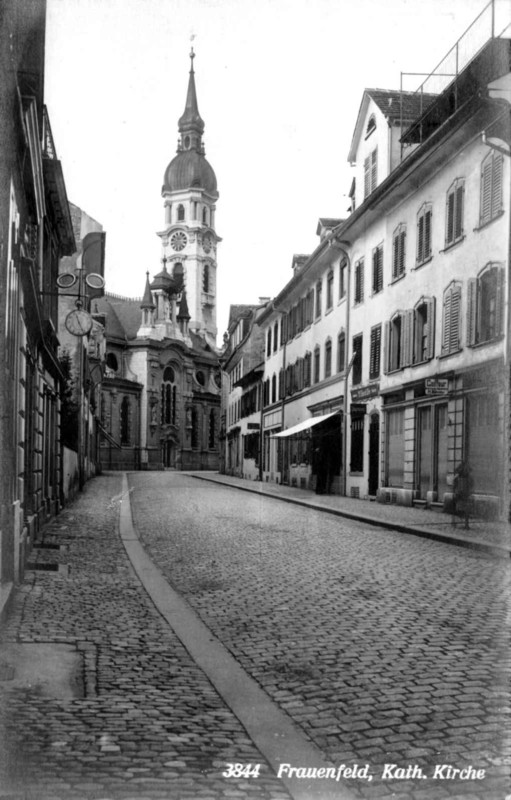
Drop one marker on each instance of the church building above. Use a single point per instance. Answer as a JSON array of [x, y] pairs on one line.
[[161, 392]]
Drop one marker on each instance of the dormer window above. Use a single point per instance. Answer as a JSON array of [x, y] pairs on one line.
[[371, 126]]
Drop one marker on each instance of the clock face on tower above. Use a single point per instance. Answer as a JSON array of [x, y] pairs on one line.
[[178, 240], [207, 242]]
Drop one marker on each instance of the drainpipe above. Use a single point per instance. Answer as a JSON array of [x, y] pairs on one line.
[[341, 244]]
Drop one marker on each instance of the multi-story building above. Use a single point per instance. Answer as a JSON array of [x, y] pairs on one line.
[[397, 325], [243, 367], [161, 392], [35, 231]]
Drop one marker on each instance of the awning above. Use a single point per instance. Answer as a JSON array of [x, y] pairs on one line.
[[304, 426]]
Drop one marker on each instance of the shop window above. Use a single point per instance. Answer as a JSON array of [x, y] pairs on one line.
[[370, 172], [395, 447], [359, 281], [357, 359], [398, 251], [378, 269], [328, 358], [491, 187], [451, 323], [341, 352], [330, 289], [424, 218], [454, 212], [375, 352], [424, 330], [485, 303]]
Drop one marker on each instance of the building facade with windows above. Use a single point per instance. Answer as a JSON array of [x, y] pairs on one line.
[[243, 367], [160, 404]]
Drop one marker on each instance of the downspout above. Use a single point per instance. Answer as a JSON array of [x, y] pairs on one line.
[[341, 244]]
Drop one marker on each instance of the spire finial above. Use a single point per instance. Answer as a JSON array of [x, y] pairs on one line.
[[192, 54]]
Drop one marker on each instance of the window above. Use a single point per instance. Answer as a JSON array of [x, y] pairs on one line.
[[180, 212], [205, 278], [424, 233], [317, 364], [275, 336], [195, 428], [424, 330], [485, 307], [319, 288], [343, 266], [378, 269], [398, 340], [328, 358], [370, 172], [330, 289], [205, 216], [371, 126], [395, 448], [274, 389], [268, 343], [309, 307], [491, 187], [359, 281], [398, 251], [212, 430], [357, 359], [307, 367], [168, 397], [454, 212], [451, 331], [375, 352], [125, 421], [111, 362], [341, 352]]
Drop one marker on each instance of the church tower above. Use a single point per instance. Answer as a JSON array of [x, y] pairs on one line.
[[189, 240]]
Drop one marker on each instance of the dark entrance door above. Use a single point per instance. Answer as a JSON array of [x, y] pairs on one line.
[[374, 454], [168, 454]]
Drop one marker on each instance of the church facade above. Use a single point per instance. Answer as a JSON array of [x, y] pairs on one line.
[[161, 391]]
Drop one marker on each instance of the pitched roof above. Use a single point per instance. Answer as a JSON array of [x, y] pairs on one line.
[[392, 103], [123, 315], [236, 312]]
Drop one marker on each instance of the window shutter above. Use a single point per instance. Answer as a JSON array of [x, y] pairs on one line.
[[395, 256], [454, 324], [499, 302], [458, 228], [450, 217], [386, 333], [420, 239], [367, 176], [486, 190], [430, 304], [496, 189], [471, 310], [374, 169], [402, 251], [406, 339], [446, 330], [427, 234]]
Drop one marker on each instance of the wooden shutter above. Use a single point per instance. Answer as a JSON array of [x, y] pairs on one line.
[[420, 239], [427, 234], [374, 359], [430, 305], [471, 311], [395, 255], [499, 301], [406, 338], [458, 224], [374, 169], [367, 176], [486, 190], [386, 336], [402, 251], [450, 218], [446, 330], [496, 188], [454, 325]]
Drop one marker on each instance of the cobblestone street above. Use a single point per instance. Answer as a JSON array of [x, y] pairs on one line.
[[383, 648]]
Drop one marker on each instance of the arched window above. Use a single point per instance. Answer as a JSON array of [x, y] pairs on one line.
[[180, 212], [195, 428], [341, 352], [205, 278], [125, 420], [317, 364], [111, 362], [205, 215], [168, 397], [485, 305], [275, 336], [268, 343], [330, 289], [371, 125], [328, 358]]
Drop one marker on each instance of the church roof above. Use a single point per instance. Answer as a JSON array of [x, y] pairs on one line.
[[123, 316], [189, 169], [147, 300], [191, 119]]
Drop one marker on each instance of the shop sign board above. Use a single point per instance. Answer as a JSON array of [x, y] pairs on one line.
[[436, 385]]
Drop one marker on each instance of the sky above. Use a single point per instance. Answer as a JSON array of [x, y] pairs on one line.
[[279, 85]]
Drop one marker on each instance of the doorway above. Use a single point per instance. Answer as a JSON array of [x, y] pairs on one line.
[[441, 451], [374, 454], [169, 455], [425, 452]]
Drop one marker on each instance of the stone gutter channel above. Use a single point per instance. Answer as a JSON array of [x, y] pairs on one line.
[[272, 731]]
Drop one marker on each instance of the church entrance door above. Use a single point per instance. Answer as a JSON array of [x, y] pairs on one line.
[[169, 455]]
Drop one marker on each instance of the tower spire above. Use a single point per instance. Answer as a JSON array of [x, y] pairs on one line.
[[191, 123]]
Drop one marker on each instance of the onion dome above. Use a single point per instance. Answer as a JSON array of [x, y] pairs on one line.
[[147, 300]]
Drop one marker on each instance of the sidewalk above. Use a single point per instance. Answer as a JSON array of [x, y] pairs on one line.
[[492, 538]]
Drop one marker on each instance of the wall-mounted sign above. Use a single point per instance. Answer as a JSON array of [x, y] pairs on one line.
[[436, 385], [365, 392]]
